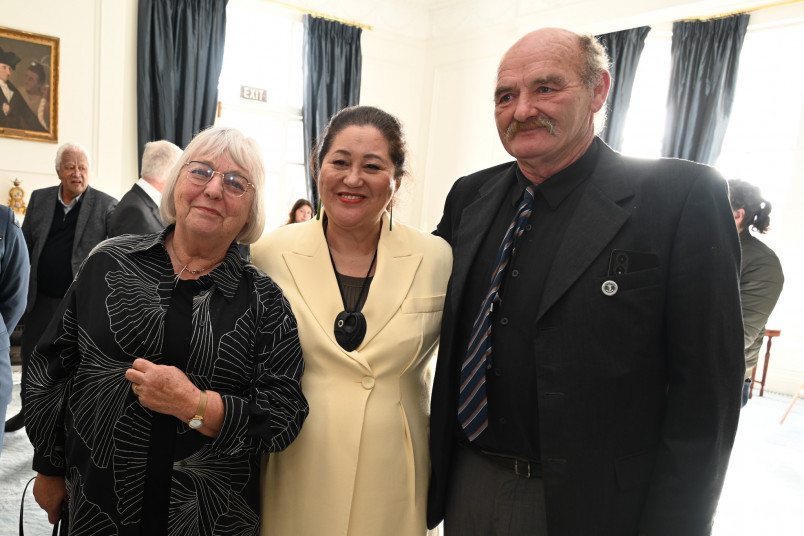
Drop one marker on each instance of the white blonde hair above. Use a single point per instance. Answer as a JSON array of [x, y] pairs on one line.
[[245, 152]]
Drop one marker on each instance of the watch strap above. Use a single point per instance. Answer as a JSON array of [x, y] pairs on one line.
[[202, 406]]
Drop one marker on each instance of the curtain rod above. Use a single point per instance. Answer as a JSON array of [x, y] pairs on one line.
[[319, 15], [748, 10]]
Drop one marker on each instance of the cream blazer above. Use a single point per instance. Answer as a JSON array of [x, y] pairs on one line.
[[360, 465]]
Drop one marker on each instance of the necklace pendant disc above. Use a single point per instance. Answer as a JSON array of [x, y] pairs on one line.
[[350, 329]]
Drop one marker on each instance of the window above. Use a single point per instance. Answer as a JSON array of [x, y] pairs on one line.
[[761, 141], [260, 93], [644, 125]]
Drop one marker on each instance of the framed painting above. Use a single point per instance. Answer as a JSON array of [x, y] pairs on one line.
[[29, 86]]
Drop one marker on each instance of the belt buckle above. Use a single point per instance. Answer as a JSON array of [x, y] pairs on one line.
[[523, 474]]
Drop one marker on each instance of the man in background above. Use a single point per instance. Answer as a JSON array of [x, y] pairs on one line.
[[62, 225], [13, 287], [591, 357], [14, 111], [138, 210]]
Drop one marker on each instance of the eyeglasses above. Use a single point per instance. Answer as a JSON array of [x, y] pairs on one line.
[[234, 185]]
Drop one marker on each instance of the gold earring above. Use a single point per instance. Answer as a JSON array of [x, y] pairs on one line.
[[318, 214], [391, 220]]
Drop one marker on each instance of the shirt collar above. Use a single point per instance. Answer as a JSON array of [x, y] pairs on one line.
[[152, 192], [558, 187], [7, 91], [71, 204]]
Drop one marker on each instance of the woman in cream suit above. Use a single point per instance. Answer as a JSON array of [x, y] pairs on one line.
[[368, 294]]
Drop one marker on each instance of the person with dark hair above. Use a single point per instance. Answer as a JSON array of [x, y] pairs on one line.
[[14, 111], [301, 211], [14, 271], [37, 92], [589, 369], [170, 366], [138, 210], [761, 276], [368, 293]]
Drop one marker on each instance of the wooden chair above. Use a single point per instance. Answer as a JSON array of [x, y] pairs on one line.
[[798, 395], [770, 334]]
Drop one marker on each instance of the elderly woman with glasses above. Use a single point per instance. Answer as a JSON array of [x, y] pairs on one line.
[[171, 365]]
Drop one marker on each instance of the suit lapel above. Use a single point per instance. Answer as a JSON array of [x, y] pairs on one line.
[[310, 266], [596, 221], [87, 210], [43, 219], [475, 222], [396, 268]]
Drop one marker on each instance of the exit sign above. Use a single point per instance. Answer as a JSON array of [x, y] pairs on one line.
[[253, 93]]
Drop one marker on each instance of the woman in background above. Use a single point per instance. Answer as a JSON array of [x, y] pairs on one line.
[[761, 277], [368, 293], [37, 93], [302, 211], [171, 365]]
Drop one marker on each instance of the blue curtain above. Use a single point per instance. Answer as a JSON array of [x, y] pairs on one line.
[[332, 65], [624, 48], [706, 55], [179, 60]]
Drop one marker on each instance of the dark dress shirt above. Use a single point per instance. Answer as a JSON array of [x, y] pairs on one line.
[[511, 383]]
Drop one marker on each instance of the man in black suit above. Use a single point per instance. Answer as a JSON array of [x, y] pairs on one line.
[[62, 225], [613, 389], [138, 210], [14, 111]]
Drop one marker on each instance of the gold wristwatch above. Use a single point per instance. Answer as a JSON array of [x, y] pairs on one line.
[[198, 419]]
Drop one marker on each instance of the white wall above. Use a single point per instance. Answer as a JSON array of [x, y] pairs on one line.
[[430, 62]]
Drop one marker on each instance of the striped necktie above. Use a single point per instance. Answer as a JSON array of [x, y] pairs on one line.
[[472, 402]]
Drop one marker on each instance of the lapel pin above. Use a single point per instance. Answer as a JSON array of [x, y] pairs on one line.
[[609, 288]]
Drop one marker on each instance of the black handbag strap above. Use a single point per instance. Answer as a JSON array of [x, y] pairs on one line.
[[58, 524], [22, 503]]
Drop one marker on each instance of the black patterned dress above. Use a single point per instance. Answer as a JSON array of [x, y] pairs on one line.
[[85, 423]]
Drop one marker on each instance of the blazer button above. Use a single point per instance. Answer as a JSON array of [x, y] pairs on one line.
[[504, 321], [368, 382]]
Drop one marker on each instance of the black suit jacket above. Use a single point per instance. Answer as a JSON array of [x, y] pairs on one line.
[[19, 114], [639, 392], [90, 229], [135, 214]]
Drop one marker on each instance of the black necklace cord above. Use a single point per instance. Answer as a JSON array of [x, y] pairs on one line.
[[350, 325], [340, 285]]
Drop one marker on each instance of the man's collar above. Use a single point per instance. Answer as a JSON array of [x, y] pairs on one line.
[[6, 89], [149, 189], [557, 187], [71, 203]]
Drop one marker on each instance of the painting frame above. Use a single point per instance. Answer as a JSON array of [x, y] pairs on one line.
[[33, 111]]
